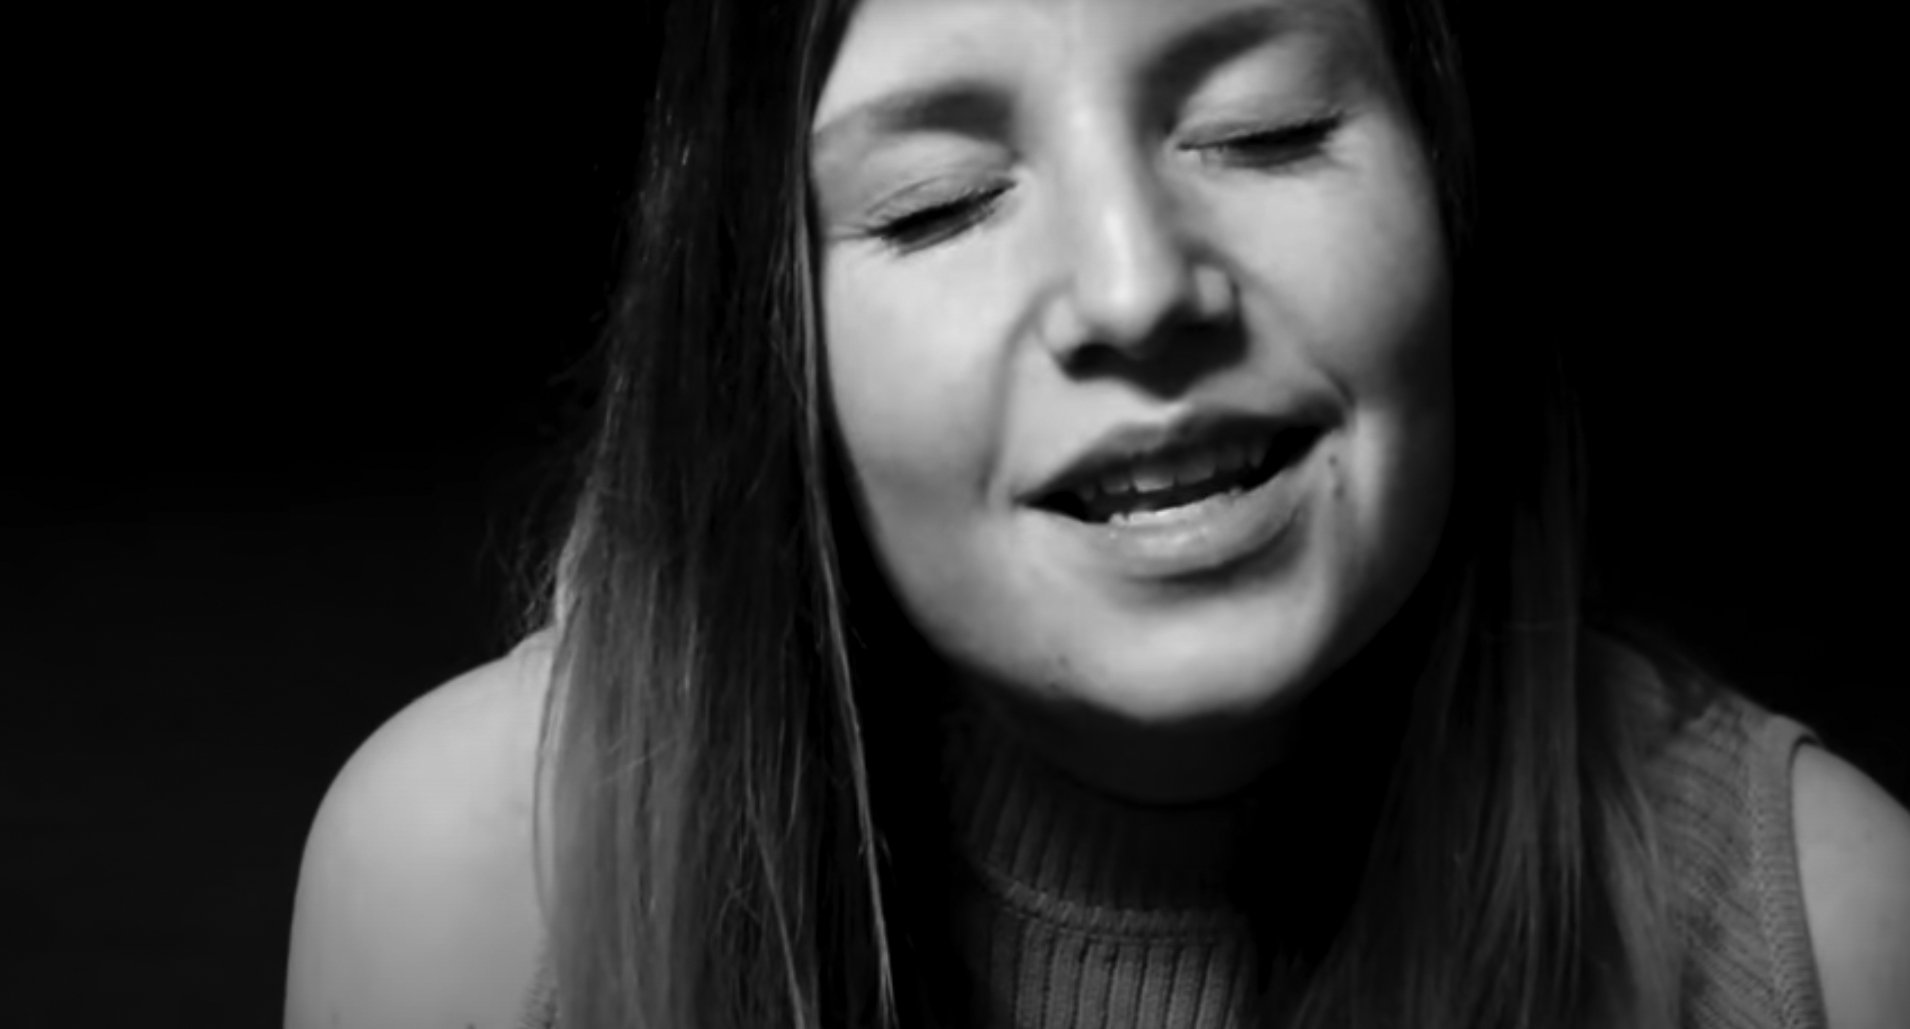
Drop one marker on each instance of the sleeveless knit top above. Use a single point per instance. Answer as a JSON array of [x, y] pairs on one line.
[[1061, 937]]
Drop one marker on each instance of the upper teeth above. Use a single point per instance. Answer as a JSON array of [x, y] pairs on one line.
[[1159, 474]]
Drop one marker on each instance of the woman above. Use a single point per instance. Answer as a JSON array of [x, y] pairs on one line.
[[1056, 551]]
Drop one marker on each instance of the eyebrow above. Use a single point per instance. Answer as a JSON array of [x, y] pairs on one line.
[[976, 106], [963, 104]]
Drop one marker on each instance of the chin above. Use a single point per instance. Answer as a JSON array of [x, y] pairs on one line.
[[1203, 667]]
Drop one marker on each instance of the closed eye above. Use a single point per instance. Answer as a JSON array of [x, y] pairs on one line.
[[1269, 149], [935, 222]]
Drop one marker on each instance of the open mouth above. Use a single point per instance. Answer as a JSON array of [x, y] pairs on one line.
[[1182, 477]]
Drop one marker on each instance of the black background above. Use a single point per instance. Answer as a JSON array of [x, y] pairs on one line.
[[283, 410]]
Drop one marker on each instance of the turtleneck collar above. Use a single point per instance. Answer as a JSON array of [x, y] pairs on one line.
[[1288, 851], [1042, 840], [1033, 831]]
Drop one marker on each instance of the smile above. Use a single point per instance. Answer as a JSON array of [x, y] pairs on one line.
[[1189, 511], [1182, 477]]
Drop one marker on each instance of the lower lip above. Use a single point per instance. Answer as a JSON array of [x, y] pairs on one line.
[[1200, 538]]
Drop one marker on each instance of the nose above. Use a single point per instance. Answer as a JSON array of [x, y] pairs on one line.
[[1137, 270]]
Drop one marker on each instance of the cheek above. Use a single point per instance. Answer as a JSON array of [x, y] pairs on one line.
[[919, 362], [1349, 286], [894, 391], [1397, 364], [1350, 279], [914, 399], [1387, 347]]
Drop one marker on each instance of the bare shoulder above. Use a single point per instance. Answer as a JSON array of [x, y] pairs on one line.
[[1853, 849], [417, 898]]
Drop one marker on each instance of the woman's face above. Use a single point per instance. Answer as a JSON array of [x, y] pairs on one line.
[[1136, 327]]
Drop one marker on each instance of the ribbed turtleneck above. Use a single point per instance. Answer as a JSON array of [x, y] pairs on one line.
[[1090, 912], [1094, 914]]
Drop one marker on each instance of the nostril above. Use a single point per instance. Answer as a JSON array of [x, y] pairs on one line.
[[1134, 274], [1135, 310], [1138, 309]]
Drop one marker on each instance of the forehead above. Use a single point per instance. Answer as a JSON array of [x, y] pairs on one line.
[[895, 46]]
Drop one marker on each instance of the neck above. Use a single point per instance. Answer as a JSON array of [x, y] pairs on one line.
[[1353, 717], [1271, 869], [1288, 840], [1156, 765], [1026, 822]]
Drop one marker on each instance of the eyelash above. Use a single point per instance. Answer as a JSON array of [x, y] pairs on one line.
[[1290, 144], [935, 222]]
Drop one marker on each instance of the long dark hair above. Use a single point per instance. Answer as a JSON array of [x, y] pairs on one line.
[[728, 811]]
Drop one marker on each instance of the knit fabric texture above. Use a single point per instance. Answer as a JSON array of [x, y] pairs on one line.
[[1730, 836], [1098, 915]]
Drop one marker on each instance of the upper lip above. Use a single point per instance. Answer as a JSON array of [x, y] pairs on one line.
[[1130, 443]]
